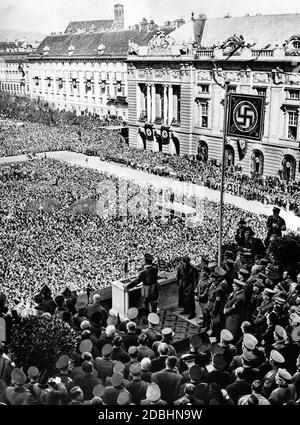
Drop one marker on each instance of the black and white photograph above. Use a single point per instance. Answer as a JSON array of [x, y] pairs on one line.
[[150, 208]]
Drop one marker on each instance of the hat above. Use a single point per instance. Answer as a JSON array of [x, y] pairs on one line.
[[167, 332], [18, 377], [280, 332], [117, 379], [33, 372], [276, 209], [135, 369], [219, 271], [248, 356], [269, 292], [65, 290], [149, 257], [86, 346], [259, 283], [228, 253], [132, 313], [218, 361], [153, 392], [146, 363], [249, 341], [188, 357], [195, 373], [118, 367], [238, 282], [295, 317], [62, 361], [98, 390], [284, 374], [112, 320], [107, 350], [153, 319], [229, 261], [242, 221], [123, 398], [80, 305], [226, 335], [244, 272], [276, 357], [132, 350], [186, 259]]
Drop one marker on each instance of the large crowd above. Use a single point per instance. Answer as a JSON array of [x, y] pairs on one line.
[[56, 246], [20, 137]]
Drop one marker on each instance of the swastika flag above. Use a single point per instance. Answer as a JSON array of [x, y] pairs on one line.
[[245, 116]]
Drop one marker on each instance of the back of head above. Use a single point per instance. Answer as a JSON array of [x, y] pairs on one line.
[[87, 367], [143, 339], [131, 327], [171, 362], [117, 341], [145, 364], [189, 389], [257, 386], [96, 299], [248, 400], [75, 392], [163, 349], [110, 331]]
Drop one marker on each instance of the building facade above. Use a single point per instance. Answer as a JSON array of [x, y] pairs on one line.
[[176, 91], [84, 70], [14, 68]]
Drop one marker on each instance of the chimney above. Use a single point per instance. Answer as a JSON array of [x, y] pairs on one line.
[[118, 17]]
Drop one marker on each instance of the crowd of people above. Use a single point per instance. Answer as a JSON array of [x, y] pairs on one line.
[[94, 139], [56, 245], [250, 306], [46, 239]]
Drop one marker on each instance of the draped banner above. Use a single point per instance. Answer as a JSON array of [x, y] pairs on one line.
[[242, 148], [149, 131], [165, 135], [245, 116]]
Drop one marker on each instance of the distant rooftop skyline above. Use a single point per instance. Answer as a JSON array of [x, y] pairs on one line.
[[48, 16]]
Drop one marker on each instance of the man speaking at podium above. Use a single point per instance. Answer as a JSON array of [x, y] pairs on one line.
[[150, 288]]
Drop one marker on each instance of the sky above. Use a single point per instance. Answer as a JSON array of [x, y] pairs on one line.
[[54, 15]]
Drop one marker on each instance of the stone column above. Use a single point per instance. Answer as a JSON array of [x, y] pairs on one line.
[[165, 105], [138, 101], [170, 115], [148, 103], [153, 112]]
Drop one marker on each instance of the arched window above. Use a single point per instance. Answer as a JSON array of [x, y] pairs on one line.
[[257, 162], [202, 151], [288, 167], [229, 156]]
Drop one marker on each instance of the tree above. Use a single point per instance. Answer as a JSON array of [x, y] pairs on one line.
[[286, 251], [39, 341]]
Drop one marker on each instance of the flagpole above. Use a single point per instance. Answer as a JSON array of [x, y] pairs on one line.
[[223, 173]]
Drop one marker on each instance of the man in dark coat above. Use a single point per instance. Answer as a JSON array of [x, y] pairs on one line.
[[187, 278], [169, 380], [234, 309], [275, 225], [150, 288], [217, 296]]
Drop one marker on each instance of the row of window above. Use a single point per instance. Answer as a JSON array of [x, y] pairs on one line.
[[14, 87], [293, 94], [74, 87]]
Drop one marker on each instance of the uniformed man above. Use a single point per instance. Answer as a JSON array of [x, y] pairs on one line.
[[150, 287], [216, 300], [152, 334], [187, 278], [275, 225], [285, 391], [201, 292], [234, 310]]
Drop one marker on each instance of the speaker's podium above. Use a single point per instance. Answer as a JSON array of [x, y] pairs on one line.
[[123, 299]]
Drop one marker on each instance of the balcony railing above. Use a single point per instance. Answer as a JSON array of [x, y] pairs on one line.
[[263, 53]]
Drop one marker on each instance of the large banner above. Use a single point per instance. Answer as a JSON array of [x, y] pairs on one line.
[[165, 135], [245, 116], [149, 131]]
